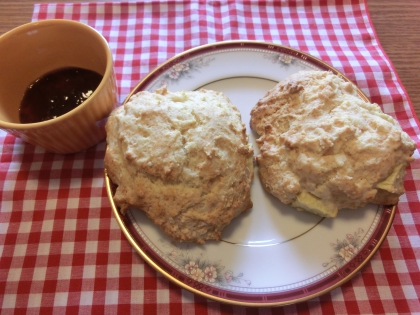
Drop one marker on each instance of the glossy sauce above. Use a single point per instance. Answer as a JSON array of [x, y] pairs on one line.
[[57, 93]]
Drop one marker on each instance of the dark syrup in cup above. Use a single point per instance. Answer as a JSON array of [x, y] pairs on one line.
[[57, 93]]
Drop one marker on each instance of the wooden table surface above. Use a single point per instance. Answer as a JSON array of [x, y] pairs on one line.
[[397, 24]]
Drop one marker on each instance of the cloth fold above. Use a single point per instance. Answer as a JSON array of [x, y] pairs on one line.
[[62, 250]]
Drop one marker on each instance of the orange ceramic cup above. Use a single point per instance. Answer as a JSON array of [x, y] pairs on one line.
[[34, 49]]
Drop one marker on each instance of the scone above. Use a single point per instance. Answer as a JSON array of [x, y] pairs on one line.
[[183, 158], [322, 148]]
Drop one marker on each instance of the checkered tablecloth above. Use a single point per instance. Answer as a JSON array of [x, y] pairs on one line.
[[62, 251]]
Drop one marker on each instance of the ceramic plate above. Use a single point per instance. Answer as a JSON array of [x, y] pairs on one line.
[[273, 254]]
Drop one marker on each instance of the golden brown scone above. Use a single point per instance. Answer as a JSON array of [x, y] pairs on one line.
[[324, 149], [183, 158]]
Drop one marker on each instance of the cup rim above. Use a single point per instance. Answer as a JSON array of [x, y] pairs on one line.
[[106, 75]]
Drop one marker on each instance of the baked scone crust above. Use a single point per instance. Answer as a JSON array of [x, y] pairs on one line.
[[183, 158], [319, 137]]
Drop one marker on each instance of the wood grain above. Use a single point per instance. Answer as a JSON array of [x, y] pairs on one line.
[[397, 24]]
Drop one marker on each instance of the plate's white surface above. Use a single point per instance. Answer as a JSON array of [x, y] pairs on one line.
[[272, 254]]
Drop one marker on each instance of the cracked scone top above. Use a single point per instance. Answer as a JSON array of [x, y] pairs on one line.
[[183, 158], [324, 149]]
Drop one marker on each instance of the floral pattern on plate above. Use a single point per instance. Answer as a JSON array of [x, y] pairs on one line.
[[345, 249], [199, 268], [184, 70], [283, 60]]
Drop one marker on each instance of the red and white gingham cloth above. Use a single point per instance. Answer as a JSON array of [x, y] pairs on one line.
[[61, 250]]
